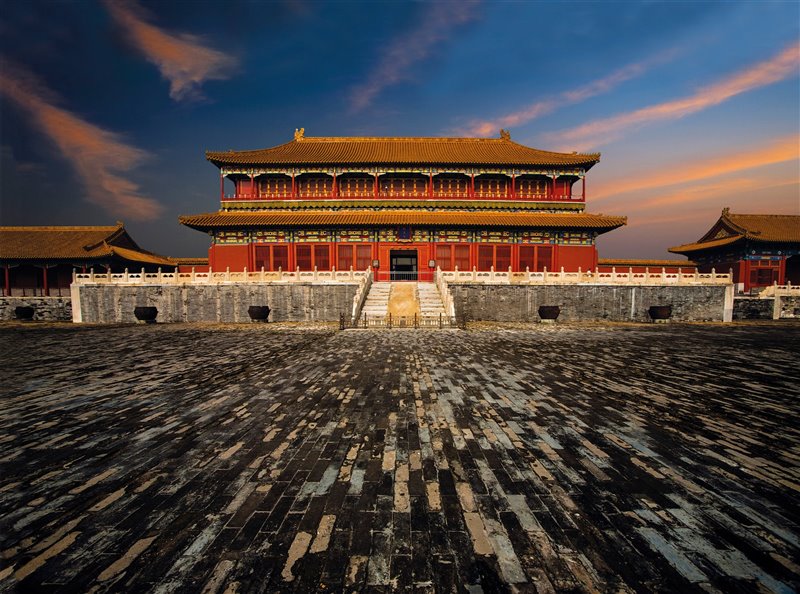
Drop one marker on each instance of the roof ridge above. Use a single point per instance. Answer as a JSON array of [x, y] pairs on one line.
[[745, 214], [58, 228]]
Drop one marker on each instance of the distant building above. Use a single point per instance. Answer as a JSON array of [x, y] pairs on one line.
[[40, 260], [761, 249], [654, 266], [403, 206]]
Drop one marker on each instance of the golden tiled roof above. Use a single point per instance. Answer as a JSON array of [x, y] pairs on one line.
[[766, 227], [732, 228], [408, 217], [394, 151], [627, 262], [72, 243]]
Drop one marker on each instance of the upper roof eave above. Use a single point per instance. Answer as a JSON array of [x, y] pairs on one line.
[[372, 151]]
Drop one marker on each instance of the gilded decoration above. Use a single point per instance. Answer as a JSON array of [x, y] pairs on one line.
[[275, 235], [535, 237], [452, 235], [495, 237], [232, 237], [313, 235], [421, 235], [355, 235], [387, 235]]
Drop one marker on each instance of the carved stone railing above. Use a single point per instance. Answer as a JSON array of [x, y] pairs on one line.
[[360, 297], [616, 277], [776, 290], [211, 277], [444, 293]]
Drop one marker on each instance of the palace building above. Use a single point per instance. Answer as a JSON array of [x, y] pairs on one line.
[[403, 206], [760, 249], [41, 260]]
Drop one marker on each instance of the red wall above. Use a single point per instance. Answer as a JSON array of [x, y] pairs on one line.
[[235, 257], [572, 257]]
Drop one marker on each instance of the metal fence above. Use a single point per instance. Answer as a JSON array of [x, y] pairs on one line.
[[393, 322]]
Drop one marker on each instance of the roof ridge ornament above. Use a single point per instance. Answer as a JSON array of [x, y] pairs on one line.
[[505, 134], [299, 133]]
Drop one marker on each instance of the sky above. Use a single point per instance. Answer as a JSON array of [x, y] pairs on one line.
[[107, 107]]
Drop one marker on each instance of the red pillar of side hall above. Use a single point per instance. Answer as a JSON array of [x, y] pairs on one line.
[[403, 206]]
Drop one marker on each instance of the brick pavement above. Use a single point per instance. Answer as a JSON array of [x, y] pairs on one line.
[[249, 459]]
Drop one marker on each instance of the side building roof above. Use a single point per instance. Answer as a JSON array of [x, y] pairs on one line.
[[205, 222], [373, 151], [33, 243], [733, 228]]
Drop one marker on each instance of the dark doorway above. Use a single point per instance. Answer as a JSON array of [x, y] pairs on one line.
[[793, 270], [403, 265]]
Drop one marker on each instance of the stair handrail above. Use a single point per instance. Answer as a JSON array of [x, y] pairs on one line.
[[364, 285], [444, 293]]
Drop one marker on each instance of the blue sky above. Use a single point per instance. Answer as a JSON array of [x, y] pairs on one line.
[[106, 108]]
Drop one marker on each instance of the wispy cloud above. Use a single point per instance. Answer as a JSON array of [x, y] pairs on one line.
[[546, 106], [432, 28], [183, 59], [590, 135], [98, 156], [779, 150]]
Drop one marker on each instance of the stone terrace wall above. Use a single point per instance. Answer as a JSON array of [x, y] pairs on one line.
[[790, 307], [516, 303], [295, 302], [753, 308], [51, 309]]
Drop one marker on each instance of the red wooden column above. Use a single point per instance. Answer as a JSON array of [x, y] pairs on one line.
[[513, 186], [334, 189], [472, 186], [375, 187], [430, 184], [8, 280], [252, 185], [46, 288], [294, 187], [583, 188]]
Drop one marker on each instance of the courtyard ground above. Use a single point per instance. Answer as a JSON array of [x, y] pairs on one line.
[[610, 458]]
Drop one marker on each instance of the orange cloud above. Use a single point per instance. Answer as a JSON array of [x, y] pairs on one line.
[[97, 155], [778, 151], [411, 47], [589, 135], [182, 59], [546, 106]]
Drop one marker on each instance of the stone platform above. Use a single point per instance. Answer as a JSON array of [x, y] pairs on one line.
[[186, 458]]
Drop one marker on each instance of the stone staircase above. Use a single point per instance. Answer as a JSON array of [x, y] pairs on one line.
[[377, 303], [426, 296], [430, 302]]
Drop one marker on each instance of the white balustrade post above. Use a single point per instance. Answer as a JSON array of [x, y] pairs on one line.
[[630, 273], [663, 274], [280, 272], [474, 273], [315, 273], [528, 273], [544, 275], [713, 274], [646, 274], [227, 273], [491, 273], [352, 273], [158, 273]]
